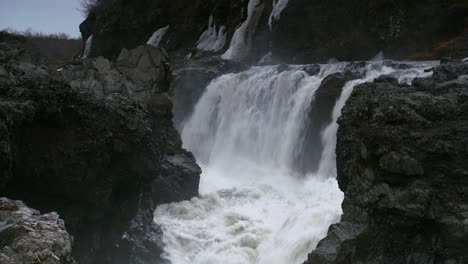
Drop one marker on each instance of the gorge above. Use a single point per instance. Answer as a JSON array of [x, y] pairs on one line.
[[241, 131]]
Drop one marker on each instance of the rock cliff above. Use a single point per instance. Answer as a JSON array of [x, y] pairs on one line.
[[402, 155], [360, 29], [101, 158], [112, 31], [303, 32]]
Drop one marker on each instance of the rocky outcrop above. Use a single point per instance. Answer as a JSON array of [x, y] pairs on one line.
[[102, 160], [305, 31], [137, 74], [112, 31], [402, 154], [28, 237], [359, 29]]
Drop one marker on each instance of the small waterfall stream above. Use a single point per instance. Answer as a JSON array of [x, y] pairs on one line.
[[254, 205]]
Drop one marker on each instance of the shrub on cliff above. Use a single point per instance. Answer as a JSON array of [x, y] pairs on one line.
[[55, 49]]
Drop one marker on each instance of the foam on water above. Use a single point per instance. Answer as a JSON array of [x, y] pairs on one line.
[[254, 207]]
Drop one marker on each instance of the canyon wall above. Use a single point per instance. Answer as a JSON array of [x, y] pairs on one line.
[[401, 162], [73, 143], [295, 31]]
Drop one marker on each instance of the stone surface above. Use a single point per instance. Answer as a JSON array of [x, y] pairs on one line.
[[402, 162], [136, 74], [311, 31], [112, 31], [306, 32], [27, 237], [100, 160]]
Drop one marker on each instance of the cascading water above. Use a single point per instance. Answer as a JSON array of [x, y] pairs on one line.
[[157, 36], [241, 41], [278, 7], [254, 206], [212, 40], [87, 49]]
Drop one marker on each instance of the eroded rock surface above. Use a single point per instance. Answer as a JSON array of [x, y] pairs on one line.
[[103, 161], [305, 31], [402, 155], [137, 74], [27, 237], [360, 29]]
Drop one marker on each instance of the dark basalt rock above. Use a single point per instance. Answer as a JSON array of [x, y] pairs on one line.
[[112, 31], [102, 161], [323, 103], [402, 154], [306, 32], [314, 31]]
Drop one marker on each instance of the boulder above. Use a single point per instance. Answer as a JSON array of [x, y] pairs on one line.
[[27, 237], [98, 157], [402, 164]]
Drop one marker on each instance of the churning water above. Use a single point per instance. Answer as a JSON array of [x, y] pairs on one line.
[[254, 205]]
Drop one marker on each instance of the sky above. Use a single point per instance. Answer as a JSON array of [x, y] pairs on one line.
[[46, 16]]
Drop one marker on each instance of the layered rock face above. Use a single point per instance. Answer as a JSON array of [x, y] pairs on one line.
[[112, 31], [358, 30], [303, 32], [402, 155], [28, 237], [138, 74], [101, 158]]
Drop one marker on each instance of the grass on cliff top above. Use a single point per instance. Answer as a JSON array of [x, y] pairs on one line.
[[53, 49]]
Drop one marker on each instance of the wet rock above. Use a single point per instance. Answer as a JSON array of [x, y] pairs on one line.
[[401, 162], [330, 89], [361, 29], [27, 237], [92, 153], [313, 69]]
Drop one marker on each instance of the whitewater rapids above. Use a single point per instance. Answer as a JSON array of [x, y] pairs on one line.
[[254, 207]]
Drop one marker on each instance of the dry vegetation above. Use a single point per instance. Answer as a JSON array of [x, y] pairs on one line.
[[87, 6], [53, 49]]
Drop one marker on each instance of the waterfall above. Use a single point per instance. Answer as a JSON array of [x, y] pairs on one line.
[[254, 206], [88, 45], [157, 36], [211, 39], [242, 39], [278, 7]]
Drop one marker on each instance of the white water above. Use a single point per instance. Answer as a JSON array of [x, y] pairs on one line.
[[88, 45], [254, 207], [278, 7], [157, 36], [211, 39], [241, 41]]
